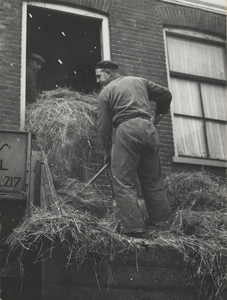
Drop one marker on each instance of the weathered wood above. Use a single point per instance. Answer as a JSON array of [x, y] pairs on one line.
[[28, 170], [49, 197], [35, 178]]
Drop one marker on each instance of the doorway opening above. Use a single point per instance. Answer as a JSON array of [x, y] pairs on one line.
[[70, 45]]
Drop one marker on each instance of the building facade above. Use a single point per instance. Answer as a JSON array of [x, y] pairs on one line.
[[180, 44], [176, 43]]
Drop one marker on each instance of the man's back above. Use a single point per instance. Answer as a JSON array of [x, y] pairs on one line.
[[128, 96]]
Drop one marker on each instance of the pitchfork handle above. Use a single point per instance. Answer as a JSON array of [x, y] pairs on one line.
[[97, 175]]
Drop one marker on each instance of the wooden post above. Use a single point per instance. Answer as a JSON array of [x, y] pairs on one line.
[[35, 178], [49, 197]]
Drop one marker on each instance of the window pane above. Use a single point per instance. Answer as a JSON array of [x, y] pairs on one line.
[[186, 97], [216, 135], [196, 58], [189, 137], [214, 101]]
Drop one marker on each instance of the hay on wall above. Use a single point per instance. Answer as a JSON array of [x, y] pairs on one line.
[[64, 123], [199, 237], [197, 191]]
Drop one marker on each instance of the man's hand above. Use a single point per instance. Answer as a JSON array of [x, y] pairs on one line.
[[107, 159], [156, 119], [107, 154]]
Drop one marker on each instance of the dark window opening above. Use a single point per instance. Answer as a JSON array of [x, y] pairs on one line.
[[70, 45]]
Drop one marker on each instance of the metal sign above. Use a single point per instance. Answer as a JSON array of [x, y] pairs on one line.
[[13, 160]]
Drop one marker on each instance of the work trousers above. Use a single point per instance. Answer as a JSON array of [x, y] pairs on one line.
[[135, 151]]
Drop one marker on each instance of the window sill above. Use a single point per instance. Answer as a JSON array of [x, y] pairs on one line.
[[198, 161]]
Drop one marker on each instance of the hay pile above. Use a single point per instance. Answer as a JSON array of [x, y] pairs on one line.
[[199, 225], [64, 123], [73, 194], [197, 231], [197, 191], [78, 232]]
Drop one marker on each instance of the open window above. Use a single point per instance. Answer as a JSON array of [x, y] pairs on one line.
[[197, 70], [70, 40]]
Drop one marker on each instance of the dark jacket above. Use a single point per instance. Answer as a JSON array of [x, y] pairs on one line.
[[126, 97], [31, 86]]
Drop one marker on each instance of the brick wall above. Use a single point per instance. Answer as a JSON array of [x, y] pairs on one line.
[[137, 44], [184, 17], [10, 64], [93, 5]]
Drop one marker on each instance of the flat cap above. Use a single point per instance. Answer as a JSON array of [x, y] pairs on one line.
[[37, 57], [107, 64]]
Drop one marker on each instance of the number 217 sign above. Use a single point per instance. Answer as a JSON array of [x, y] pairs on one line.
[[13, 160]]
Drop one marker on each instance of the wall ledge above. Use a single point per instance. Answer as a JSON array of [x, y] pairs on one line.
[[198, 161]]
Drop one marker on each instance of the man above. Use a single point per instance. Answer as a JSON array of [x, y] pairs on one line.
[[133, 146], [34, 65]]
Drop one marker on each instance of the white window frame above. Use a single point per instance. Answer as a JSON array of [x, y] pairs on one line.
[[201, 5], [105, 42], [176, 158]]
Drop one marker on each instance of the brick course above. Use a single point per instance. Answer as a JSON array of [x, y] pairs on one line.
[[192, 18]]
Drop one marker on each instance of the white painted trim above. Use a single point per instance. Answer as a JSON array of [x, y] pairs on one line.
[[105, 41], [67, 9], [207, 7], [195, 34], [168, 79], [206, 37], [197, 161]]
